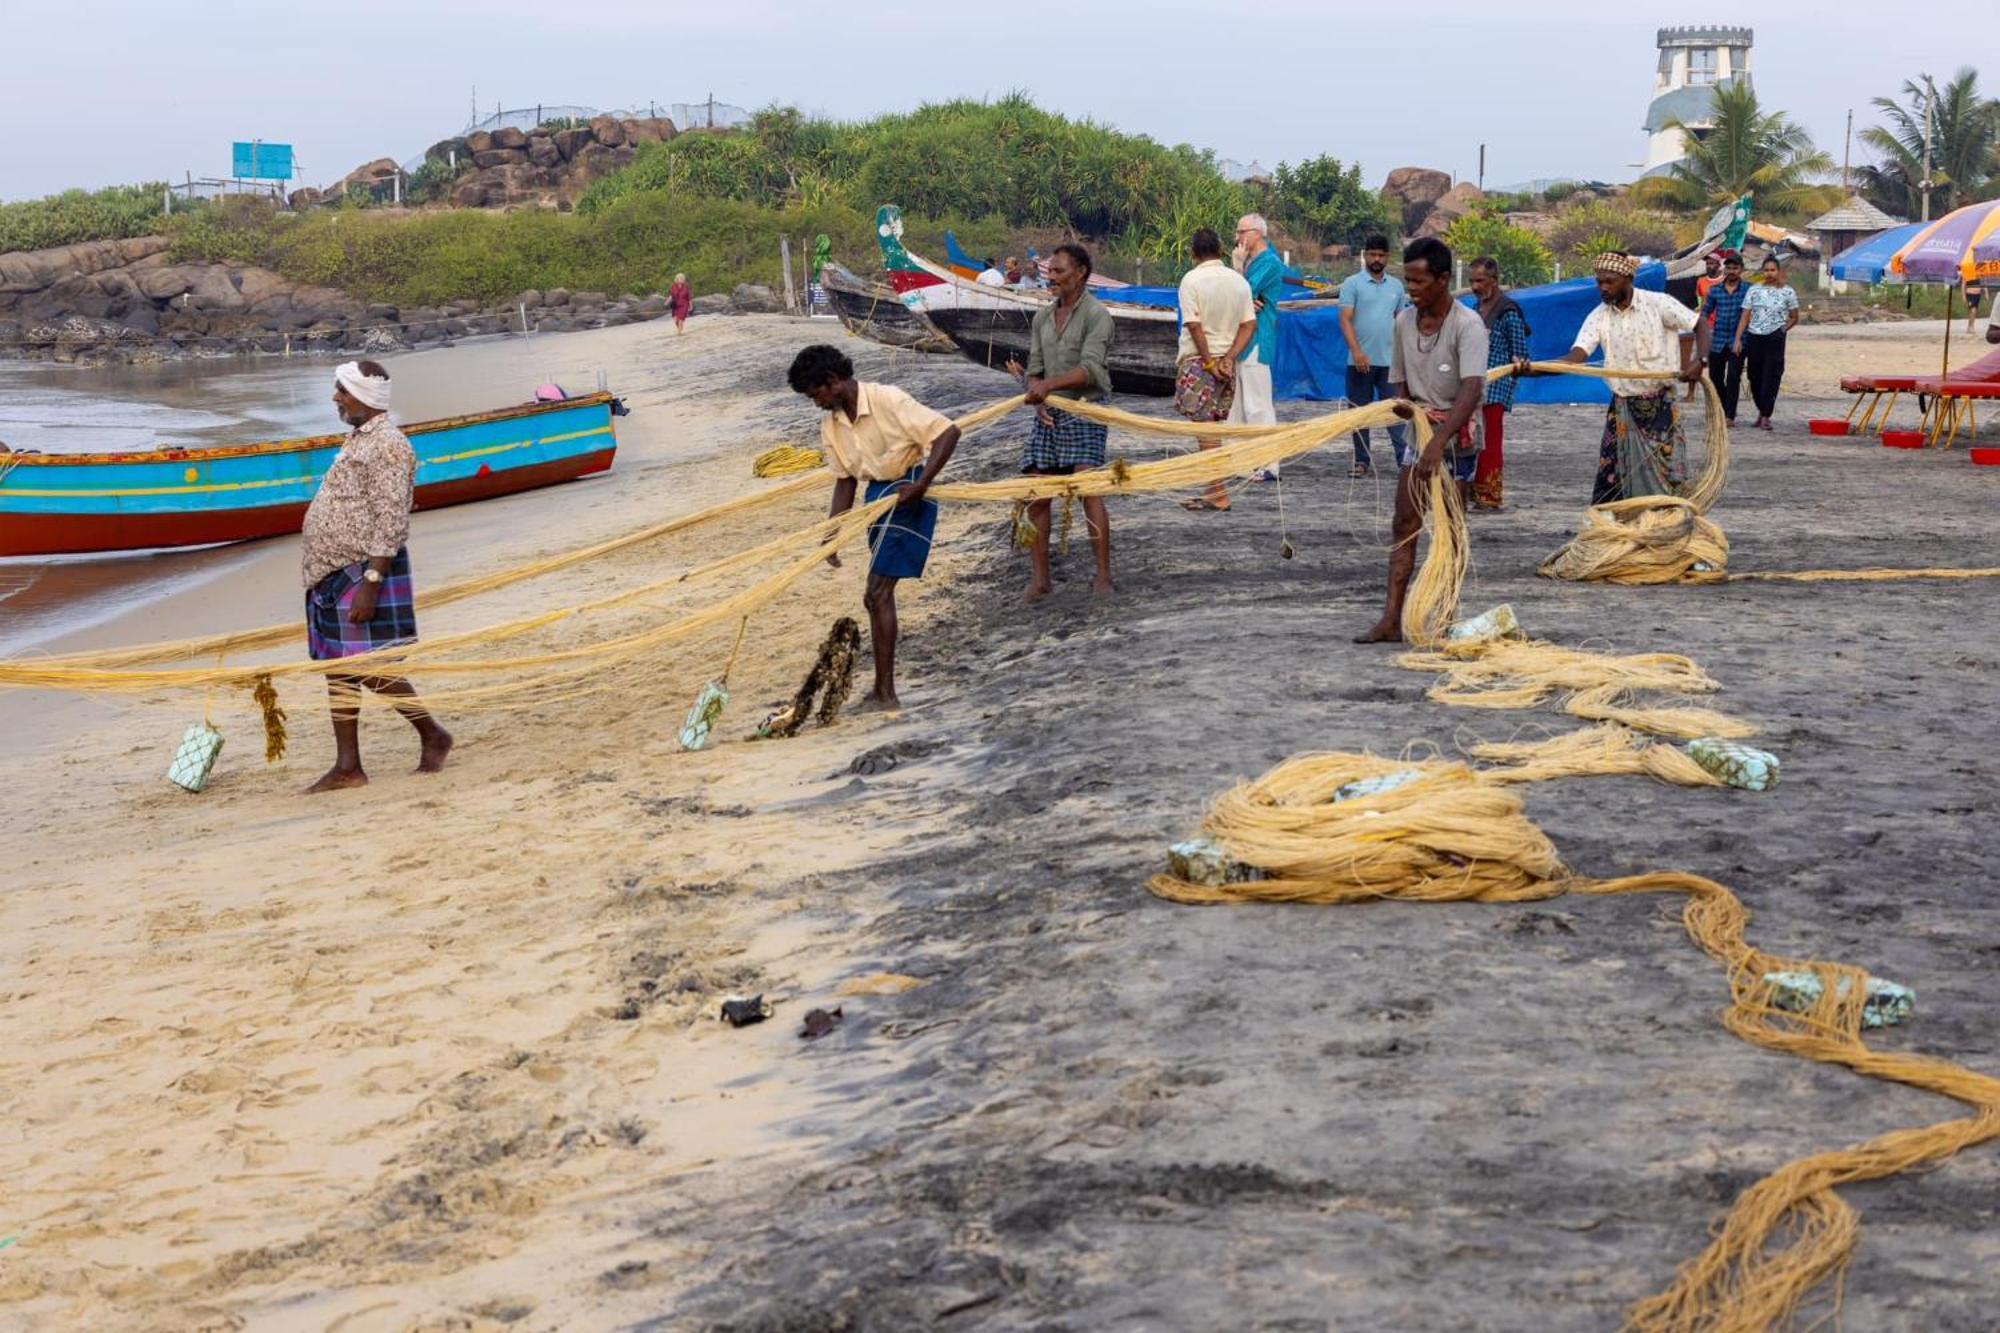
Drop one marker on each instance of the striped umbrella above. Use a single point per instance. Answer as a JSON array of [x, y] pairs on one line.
[[1948, 250]]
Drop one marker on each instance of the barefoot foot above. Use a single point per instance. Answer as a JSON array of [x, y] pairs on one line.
[[877, 702], [1035, 593], [1387, 630], [1103, 587], [336, 778], [435, 750]]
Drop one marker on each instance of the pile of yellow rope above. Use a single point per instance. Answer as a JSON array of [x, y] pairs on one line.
[[1450, 833], [787, 460]]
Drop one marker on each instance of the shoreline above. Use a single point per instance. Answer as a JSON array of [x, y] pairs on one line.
[[363, 1057]]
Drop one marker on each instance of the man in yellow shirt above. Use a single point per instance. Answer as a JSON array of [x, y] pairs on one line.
[[879, 435]]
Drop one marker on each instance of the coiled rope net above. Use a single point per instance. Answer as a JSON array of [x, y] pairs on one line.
[[1451, 833]]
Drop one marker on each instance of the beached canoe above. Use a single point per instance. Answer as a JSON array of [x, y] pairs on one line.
[[990, 324], [55, 504], [871, 310]]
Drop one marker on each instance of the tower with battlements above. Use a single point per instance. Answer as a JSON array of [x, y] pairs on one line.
[[1694, 62]]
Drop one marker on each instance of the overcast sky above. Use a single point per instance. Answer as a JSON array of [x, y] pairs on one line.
[[97, 92]]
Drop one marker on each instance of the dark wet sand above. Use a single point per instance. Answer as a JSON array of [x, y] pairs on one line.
[[1107, 1111]]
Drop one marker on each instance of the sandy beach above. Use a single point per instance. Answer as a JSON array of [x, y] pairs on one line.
[[441, 1054]]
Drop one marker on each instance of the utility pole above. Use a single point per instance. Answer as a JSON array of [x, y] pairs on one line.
[[1930, 126], [1482, 168]]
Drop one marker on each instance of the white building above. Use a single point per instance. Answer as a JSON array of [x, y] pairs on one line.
[[1694, 62]]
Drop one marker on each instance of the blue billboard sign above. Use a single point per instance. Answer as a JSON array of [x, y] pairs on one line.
[[259, 161]]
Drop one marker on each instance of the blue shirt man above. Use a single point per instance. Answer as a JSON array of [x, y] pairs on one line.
[[1369, 302], [1723, 308]]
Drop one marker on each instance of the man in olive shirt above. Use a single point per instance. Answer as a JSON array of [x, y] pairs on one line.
[[1437, 360], [1069, 346]]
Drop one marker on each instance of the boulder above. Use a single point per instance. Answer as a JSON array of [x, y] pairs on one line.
[[446, 149], [479, 141], [469, 191], [164, 284], [542, 151], [305, 197], [715, 303], [607, 131], [596, 159], [586, 300], [509, 137], [652, 129], [1461, 199], [498, 157], [1414, 190], [754, 298], [652, 307], [570, 142], [556, 296], [261, 287], [530, 299], [214, 292]]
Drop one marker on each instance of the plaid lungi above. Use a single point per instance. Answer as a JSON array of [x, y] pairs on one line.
[[328, 635], [1070, 443]]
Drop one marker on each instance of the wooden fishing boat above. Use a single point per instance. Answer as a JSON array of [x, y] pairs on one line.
[[990, 324], [871, 310], [53, 504]]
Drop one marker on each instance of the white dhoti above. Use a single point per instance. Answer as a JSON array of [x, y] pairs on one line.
[[1253, 405]]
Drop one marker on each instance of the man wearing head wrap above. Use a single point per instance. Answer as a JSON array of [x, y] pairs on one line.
[[359, 596], [1643, 451]]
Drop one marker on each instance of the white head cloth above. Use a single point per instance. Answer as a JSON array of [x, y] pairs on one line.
[[364, 389]]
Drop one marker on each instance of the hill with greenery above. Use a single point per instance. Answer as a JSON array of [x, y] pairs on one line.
[[81, 215]]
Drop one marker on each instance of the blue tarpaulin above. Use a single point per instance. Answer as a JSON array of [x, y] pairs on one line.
[[1868, 261], [1312, 356]]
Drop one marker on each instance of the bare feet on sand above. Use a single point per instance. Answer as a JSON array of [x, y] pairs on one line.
[[435, 750], [1035, 593], [1387, 630], [877, 702], [336, 778], [1102, 587]]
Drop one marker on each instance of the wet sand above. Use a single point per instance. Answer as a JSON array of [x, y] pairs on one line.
[[433, 1055]]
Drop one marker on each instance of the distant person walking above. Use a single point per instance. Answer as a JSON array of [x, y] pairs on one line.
[[1369, 303], [1506, 343], [1643, 450], [1438, 361], [1975, 292], [355, 557], [1218, 322], [681, 299], [1769, 312], [1069, 347], [1261, 267], [1722, 308], [878, 436]]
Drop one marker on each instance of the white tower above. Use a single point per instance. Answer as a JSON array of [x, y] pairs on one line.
[[1694, 62]]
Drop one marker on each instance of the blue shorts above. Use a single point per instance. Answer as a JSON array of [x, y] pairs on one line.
[[901, 539]]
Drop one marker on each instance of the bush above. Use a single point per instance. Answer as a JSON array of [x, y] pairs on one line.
[[81, 215], [1524, 260], [1584, 231], [1327, 202]]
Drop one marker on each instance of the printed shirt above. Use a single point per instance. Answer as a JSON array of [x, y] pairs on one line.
[[1083, 342], [1768, 307], [1431, 366], [1643, 336], [1726, 308], [1507, 341], [1266, 276], [1375, 306], [1216, 297], [890, 434], [362, 508]]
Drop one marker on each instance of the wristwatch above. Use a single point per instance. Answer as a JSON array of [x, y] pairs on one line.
[[371, 576]]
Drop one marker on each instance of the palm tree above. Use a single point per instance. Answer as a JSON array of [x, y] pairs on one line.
[[1965, 139], [1747, 151]]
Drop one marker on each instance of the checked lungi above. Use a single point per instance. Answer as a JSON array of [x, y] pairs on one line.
[[330, 636], [1063, 446]]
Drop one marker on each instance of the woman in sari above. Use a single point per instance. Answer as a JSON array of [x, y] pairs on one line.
[[681, 298]]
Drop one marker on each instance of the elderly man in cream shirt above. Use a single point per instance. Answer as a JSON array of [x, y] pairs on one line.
[[1218, 320]]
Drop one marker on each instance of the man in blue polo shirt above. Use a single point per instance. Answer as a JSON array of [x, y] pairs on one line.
[[1369, 301], [1723, 309]]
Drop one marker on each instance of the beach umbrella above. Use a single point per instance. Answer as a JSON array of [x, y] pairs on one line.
[[1869, 261], [1943, 252]]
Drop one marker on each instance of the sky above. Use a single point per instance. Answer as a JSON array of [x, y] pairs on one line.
[[102, 92]]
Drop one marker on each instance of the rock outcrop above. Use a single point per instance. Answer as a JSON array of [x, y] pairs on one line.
[[123, 301], [512, 168], [1414, 190], [1459, 200]]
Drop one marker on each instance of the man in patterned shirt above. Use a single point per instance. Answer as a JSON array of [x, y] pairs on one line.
[[359, 596], [1723, 309], [1643, 450]]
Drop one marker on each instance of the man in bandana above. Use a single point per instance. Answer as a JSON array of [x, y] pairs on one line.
[[357, 570], [1643, 451]]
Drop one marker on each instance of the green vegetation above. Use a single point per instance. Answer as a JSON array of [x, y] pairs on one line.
[[1748, 151], [81, 215], [1321, 200], [1965, 148], [1584, 231], [633, 246], [1524, 260]]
